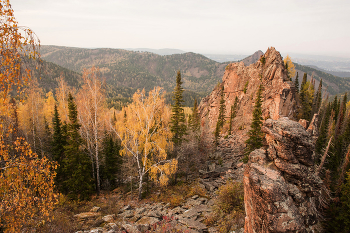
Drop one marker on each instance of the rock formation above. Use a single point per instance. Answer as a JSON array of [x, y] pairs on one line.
[[282, 191], [243, 81]]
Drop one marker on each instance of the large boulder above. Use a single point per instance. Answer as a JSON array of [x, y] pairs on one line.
[[281, 190]]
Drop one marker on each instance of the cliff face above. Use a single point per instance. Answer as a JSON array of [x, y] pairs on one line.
[[282, 193], [243, 81]]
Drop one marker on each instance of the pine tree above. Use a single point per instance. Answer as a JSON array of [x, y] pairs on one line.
[[233, 114], [296, 83], [221, 117], [178, 126], [255, 140], [111, 167], [78, 182]]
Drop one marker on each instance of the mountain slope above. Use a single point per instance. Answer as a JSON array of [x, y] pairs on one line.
[[140, 70], [335, 84]]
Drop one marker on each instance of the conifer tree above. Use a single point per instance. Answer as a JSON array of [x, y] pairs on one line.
[[78, 182], [335, 107], [296, 83], [195, 120], [111, 167], [178, 126], [322, 138], [255, 140], [57, 148], [304, 80], [233, 114], [344, 212], [306, 97], [319, 96], [221, 117]]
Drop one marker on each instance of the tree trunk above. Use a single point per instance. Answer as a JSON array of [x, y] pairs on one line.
[[140, 187]]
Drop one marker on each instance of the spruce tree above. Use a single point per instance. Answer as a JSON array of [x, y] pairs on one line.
[[306, 96], [304, 80], [221, 117], [255, 140], [78, 181], [195, 119], [111, 166], [178, 126], [57, 149], [296, 83], [233, 114], [319, 96], [322, 138]]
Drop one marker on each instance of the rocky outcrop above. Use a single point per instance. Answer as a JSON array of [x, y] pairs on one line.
[[282, 191], [243, 82]]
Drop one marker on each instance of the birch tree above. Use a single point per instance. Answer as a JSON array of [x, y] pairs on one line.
[[146, 137], [91, 100]]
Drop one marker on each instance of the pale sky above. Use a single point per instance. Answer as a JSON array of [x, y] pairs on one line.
[[316, 27]]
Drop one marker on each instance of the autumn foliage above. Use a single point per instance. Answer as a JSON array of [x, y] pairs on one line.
[[26, 181], [26, 186], [145, 136]]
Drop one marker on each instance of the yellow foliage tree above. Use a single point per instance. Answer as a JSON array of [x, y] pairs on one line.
[[91, 109], [49, 106], [144, 133], [62, 98], [15, 44], [290, 66], [31, 116], [26, 182], [26, 186]]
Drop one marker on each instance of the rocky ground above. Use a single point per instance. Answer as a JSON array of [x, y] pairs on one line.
[[223, 165]]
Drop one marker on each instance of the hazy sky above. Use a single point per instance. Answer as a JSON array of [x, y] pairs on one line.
[[205, 26]]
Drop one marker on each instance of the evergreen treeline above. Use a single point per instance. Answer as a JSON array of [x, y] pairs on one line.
[[332, 149]]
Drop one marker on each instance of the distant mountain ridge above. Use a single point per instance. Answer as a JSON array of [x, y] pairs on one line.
[[140, 70], [126, 71], [165, 51]]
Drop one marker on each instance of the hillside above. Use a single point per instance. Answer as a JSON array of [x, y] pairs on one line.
[[126, 71], [336, 85], [140, 70]]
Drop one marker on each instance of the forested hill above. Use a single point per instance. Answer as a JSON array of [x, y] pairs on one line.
[[126, 71], [138, 70], [336, 85]]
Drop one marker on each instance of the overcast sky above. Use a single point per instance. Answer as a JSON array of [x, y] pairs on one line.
[[205, 26]]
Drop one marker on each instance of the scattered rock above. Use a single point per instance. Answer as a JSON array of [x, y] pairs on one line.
[[193, 224], [108, 218], [87, 215], [127, 214], [95, 209]]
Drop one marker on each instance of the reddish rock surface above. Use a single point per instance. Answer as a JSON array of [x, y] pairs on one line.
[[281, 190], [278, 95]]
